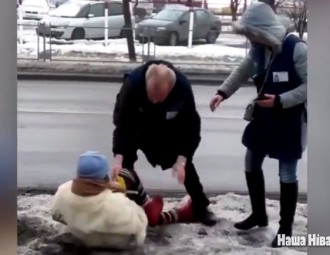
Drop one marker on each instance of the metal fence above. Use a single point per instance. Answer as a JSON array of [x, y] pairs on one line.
[[45, 45]]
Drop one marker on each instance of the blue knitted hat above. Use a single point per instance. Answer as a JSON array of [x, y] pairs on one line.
[[92, 165]]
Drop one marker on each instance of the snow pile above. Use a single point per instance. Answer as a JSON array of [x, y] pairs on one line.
[[27, 23], [37, 233], [117, 49]]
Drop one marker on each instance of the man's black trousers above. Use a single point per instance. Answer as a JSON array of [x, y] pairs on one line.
[[192, 184]]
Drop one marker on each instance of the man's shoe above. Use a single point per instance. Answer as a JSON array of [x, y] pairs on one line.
[[153, 209], [206, 217]]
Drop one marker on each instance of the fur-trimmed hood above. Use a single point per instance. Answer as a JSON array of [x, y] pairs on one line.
[[259, 21]]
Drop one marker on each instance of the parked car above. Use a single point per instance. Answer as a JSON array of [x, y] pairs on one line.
[[84, 20], [161, 4], [171, 26], [56, 3], [34, 9]]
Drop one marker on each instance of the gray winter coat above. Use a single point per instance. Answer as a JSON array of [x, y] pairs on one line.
[[261, 24]]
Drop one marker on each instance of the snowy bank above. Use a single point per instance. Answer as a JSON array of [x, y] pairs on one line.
[[38, 234], [85, 67], [116, 49]]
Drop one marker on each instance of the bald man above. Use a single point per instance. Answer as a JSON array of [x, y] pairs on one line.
[[155, 112]]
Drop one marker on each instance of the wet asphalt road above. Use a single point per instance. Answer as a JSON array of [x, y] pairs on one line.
[[57, 121]]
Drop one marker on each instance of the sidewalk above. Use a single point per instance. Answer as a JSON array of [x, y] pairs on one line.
[[39, 234], [98, 66]]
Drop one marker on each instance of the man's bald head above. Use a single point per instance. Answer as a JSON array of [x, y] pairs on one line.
[[160, 79]]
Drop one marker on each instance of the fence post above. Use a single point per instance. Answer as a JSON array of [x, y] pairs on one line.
[[44, 47], [149, 41], [106, 24], [191, 27], [49, 56], [20, 29], [154, 50], [142, 44], [44, 54], [146, 42]]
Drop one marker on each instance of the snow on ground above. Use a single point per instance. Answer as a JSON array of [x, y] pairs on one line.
[[27, 23], [119, 48], [38, 234]]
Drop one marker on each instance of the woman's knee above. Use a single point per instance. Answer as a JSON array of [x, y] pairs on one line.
[[253, 161], [288, 178], [288, 171]]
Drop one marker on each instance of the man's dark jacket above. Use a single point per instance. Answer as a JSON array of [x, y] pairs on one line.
[[162, 131]]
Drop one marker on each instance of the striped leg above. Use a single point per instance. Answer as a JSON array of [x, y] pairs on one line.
[[130, 180], [152, 207]]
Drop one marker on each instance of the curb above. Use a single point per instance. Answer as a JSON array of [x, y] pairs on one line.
[[302, 197], [195, 79]]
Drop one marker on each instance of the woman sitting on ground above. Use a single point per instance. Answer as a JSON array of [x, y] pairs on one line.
[[105, 214]]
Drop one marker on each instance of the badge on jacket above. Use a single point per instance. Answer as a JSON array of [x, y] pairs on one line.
[[280, 77]]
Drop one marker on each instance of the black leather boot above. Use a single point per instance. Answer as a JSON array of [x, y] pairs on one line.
[[256, 186], [288, 204], [206, 217]]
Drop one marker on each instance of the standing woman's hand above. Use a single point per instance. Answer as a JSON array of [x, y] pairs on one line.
[[215, 102], [267, 102]]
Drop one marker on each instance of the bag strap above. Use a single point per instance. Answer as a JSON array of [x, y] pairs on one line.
[[266, 76]]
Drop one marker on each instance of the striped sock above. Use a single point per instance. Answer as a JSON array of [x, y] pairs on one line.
[[133, 183], [168, 217]]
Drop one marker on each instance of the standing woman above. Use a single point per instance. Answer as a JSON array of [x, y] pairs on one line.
[[277, 62]]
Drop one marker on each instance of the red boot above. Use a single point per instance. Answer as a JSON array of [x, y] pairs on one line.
[[185, 213], [153, 209]]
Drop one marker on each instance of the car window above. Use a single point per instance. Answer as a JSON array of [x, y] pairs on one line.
[[186, 17], [168, 15], [83, 12], [115, 9], [35, 3], [202, 16], [97, 10], [68, 10]]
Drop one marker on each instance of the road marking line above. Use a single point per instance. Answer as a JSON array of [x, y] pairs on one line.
[[62, 111], [91, 112]]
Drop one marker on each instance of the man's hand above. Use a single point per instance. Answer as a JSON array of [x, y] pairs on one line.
[[215, 102], [116, 167], [179, 169], [268, 102]]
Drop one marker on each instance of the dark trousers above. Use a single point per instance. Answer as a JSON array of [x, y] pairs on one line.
[[192, 184]]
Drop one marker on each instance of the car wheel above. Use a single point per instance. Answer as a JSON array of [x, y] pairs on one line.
[[173, 39], [78, 34], [212, 36], [122, 33]]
